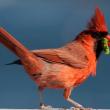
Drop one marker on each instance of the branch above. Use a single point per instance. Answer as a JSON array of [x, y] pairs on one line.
[[50, 108]]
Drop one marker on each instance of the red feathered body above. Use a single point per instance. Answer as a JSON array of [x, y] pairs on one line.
[[64, 67], [57, 75]]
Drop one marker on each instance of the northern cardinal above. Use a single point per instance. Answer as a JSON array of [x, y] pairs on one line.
[[65, 67]]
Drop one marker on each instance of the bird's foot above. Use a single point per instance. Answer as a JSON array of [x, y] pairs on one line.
[[63, 108], [45, 107], [81, 108]]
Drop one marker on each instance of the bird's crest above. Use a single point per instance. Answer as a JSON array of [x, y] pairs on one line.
[[97, 22]]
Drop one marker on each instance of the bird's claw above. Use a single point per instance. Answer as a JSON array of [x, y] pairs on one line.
[[78, 106], [81, 108], [44, 106]]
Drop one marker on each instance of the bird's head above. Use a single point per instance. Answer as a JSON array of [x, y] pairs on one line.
[[98, 29]]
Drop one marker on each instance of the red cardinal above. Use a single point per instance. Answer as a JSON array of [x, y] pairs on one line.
[[65, 67]]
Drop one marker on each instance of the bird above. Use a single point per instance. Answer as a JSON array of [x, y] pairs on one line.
[[65, 67]]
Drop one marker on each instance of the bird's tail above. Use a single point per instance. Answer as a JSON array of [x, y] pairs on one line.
[[11, 43], [31, 62]]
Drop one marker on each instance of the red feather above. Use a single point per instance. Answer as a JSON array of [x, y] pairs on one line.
[[97, 22]]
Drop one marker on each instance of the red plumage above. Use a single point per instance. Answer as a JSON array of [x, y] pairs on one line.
[[97, 22]]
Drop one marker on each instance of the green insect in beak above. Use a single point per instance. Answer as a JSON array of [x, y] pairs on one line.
[[105, 46]]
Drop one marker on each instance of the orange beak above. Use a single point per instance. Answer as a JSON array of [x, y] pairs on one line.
[[108, 37]]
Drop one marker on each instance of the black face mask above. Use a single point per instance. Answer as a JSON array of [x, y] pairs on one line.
[[97, 35], [101, 38]]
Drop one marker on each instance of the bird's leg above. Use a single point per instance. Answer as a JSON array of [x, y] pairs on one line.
[[40, 90], [42, 105], [67, 93]]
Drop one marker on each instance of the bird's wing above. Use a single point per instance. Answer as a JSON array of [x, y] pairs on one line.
[[60, 56]]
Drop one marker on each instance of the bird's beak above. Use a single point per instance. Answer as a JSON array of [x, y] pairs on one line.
[[108, 38]]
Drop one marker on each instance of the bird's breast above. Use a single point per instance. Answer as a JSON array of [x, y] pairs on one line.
[[61, 76]]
